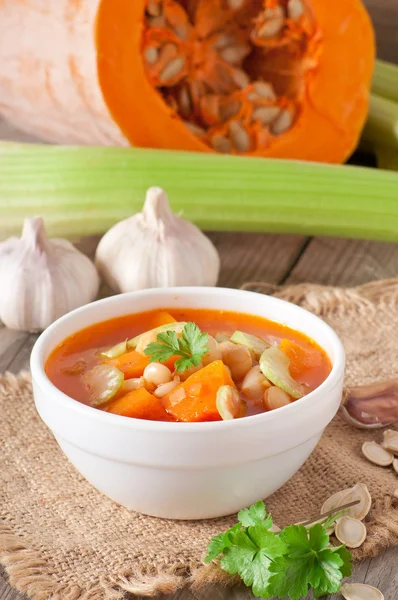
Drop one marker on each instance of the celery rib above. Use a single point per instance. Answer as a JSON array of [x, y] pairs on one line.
[[382, 125], [385, 80], [83, 191]]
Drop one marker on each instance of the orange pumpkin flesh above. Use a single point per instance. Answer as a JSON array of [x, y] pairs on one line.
[[165, 70]]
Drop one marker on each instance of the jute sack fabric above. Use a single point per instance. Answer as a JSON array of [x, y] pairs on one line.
[[62, 540]]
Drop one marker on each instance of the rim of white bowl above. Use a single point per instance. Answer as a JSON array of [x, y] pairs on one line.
[[40, 377]]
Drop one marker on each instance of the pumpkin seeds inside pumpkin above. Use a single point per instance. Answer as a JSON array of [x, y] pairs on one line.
[[350, 532], [172, 70], [360, 591], [295, 8], [377, 454]]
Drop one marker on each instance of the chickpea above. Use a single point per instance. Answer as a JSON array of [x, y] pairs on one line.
[[274, 397], [157, 374], [237, 358], [165, 388], [254, 385], [214, 352]]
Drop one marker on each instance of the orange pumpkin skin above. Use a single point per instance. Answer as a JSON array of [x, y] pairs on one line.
[[333, 93]]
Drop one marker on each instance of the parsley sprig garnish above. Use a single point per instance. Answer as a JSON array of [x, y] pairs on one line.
[[288, 563], [191, 347]]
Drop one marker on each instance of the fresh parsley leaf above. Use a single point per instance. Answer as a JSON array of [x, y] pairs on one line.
[[250, 556], [346, 556], [254, 515], [219, 543], [289, 577], [281, 565], [191, 346]]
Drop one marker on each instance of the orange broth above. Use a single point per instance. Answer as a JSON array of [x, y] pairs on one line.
[[87, 343]]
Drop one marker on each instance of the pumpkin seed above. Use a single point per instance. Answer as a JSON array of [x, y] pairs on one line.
[[295, 9], [350, 532], [275, 528], [396, 493], [157, 22], [184, 101], [239, 136], [154, 8], [358, 492], [195, 128], [221, 144], [230, 109], [240, 78], [334, 501], [235, 4], [265, 90], [266, 114], [390, 441], [360, 591], [172, 70], [377, 454], [283, 122], [395, 465], [229, 404], [270, 28], [233, 54], [151, 55]]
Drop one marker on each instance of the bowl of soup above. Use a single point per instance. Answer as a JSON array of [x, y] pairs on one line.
[[188, 403]]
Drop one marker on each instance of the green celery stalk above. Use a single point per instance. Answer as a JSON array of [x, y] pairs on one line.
[[382, 125], [83, 191], [387, 158], [385, 80]]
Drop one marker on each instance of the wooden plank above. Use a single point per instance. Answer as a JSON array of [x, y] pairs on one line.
[[330, 261]]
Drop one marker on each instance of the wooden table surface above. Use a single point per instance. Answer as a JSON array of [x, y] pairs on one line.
[[278, 260]]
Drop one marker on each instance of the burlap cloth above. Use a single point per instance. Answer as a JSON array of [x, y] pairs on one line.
[[61, 539]]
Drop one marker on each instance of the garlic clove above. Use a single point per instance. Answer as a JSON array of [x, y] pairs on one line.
[[371, 406], [42, 279], [156, 248]]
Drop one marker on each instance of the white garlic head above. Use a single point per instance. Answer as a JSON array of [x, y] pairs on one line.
[[42, 279], [156, 248]]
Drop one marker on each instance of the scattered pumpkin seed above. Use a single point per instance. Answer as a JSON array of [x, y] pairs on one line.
[[377, 454], [360, 591], [334, 501], [395, 465], [358, 492], [350, 532], [390, 441]]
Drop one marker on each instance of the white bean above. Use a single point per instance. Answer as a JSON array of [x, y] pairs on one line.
[[156, 373], [275, 398], [254, 385], [237, 358], [214, 352], [165, 388]]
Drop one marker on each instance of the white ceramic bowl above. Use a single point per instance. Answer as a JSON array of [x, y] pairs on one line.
[[188, 470]]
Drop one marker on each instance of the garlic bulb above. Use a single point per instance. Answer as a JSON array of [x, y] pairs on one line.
[[42, 279], [155, 248]]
